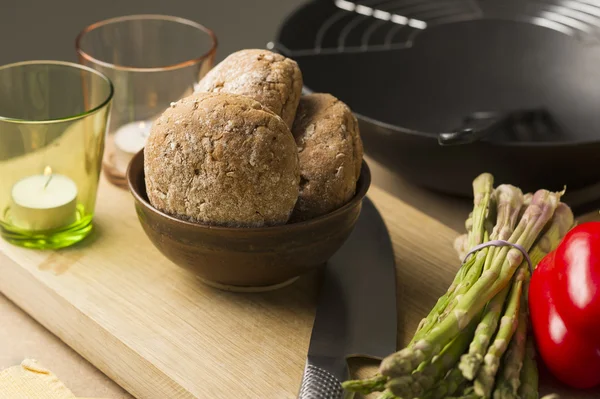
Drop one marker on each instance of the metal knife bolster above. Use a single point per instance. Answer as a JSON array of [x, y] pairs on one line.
[[318, 383]]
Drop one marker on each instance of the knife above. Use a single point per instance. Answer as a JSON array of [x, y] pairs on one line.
[[356, 309]]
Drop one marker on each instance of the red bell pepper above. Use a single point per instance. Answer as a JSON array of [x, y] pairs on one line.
[[564, 303]]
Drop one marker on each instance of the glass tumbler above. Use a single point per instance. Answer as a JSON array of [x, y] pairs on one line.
[[152, 60], [53, 120]]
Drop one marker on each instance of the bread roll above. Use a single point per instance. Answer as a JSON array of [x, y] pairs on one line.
[[330, 152], [271, 79], [222, 159]]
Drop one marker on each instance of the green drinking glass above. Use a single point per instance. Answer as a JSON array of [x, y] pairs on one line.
[[53, 120]]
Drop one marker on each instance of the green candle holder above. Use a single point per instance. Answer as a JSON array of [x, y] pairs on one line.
[[53, 120]]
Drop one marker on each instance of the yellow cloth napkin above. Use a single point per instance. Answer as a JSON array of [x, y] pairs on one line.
[[31, 380]]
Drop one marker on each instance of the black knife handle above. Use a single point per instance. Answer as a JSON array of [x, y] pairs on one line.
[[318, 383]]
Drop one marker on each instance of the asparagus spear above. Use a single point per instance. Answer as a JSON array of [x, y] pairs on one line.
[[529, 373], [491, 282], [366, 386], [484, 383], [539, 212], [471, 361], [483, 186], [434, 315], [561, 223], [448, 386], [425, 377], [509, 201], [509, 380], [482, 193], [468, 281]]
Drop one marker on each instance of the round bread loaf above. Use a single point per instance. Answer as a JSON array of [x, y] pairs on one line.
[[330, 152], [271, 79], [222, 159]]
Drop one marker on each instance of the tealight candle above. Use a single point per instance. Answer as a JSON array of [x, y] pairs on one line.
[[129, 139], [44, 202]]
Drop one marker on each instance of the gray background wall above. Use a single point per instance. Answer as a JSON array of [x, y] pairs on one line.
[[46, 29]]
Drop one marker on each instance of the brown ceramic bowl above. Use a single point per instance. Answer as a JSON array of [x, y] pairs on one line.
[[246, 259]]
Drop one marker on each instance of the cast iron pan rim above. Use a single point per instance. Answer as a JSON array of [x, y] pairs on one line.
[[279, 47], [433, 136]]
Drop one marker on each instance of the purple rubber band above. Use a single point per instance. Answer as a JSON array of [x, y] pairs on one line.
[[501, 243]]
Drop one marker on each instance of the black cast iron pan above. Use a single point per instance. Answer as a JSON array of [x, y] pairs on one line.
[[512, 86]]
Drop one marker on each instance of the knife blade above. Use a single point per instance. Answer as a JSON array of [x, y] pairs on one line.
[[356, 309]]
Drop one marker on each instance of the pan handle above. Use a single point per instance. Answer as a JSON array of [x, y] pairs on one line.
[[476, 127], [519, 125]]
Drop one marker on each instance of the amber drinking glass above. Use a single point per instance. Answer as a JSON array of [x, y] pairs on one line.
[[152, 61], [53, 119]]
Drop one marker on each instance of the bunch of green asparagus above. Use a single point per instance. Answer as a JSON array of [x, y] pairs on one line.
[[475, 342]]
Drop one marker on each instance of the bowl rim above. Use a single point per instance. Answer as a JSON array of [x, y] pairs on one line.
[[363, 184]]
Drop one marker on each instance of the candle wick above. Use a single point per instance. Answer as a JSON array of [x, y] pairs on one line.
[[48, 181]]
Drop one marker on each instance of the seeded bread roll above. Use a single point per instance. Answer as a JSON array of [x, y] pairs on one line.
[[222, 159], [330, 152], [271, 79]]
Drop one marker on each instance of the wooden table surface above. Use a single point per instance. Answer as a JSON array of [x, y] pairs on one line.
[[21, 336]]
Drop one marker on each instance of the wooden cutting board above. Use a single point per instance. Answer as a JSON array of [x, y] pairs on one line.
[[160, 333]]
